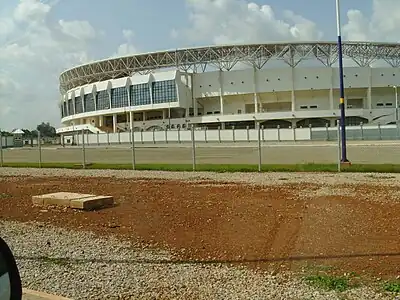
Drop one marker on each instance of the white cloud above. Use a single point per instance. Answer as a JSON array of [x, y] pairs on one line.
[[35, 51], [128, 47], [80, 30], [240, 21], [382, 25]]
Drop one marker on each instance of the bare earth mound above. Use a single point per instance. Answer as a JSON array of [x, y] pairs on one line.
[[352, 228]]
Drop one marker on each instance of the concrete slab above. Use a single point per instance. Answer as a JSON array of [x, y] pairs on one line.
[[73, 200], [92, 203], [35, 295]]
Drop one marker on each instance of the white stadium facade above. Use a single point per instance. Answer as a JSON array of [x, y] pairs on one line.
[[289, 85]]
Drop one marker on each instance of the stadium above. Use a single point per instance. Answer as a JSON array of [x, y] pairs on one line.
[[290, 85]]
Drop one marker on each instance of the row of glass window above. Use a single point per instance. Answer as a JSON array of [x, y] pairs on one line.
[[140, 94]]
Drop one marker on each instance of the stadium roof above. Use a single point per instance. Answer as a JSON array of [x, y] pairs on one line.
[[225, 57]]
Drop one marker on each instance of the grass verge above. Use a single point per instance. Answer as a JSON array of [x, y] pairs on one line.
[[392, 287], [329, 283], [373, 168]]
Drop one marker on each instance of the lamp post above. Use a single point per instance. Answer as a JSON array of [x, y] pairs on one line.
[[396, 104], [342, 104]]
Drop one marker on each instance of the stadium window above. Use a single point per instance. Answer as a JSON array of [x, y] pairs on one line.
[[71, 110], [209, 85], [78, 105], [389, 104], [379, 104], [317, 77], [164, 91], [88, 102], [303, 106], [314, 106], [356, 75], [279, 79], [102, 100], [305, 77], [382, 74], [242, 82], [119, 97], [65, 109], [140, 94]]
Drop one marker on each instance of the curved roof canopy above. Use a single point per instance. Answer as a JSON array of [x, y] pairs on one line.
[[225, 57]]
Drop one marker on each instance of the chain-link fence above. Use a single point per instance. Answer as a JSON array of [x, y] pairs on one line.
[[196, 148]]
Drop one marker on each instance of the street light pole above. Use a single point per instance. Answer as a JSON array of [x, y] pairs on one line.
[[342, 104], [397, 104]]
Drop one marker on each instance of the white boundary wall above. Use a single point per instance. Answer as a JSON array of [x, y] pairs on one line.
[[7, 141], [384, 132]]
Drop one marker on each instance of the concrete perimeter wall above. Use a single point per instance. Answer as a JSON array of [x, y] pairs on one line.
[[384, 132]]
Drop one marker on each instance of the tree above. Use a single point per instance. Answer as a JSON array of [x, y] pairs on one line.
[[46, 130]]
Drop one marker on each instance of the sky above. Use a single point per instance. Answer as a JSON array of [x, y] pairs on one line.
[[41, 38]]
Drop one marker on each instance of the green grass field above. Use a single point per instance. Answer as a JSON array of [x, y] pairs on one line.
[[372, 168]]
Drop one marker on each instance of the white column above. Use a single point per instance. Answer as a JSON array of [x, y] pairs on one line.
[[131, 116], [255, 90], [101, 123], [331, 100], [164, 114], [221, 91], [293, 95], [369, 92], [114, 123]]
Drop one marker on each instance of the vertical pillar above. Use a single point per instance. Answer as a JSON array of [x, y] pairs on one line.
[[255, 96], [293, 95], [221, 91], [131, 116], [101, 121], [331, 100], [114, 123], [369, 92]]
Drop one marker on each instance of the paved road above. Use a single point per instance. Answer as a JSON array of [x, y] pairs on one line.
[[362, 152]]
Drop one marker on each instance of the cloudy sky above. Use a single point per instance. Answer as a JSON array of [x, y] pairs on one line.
[[41, 38]]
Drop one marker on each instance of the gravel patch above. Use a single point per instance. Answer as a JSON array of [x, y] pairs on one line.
[[82, 266], [253, 178]]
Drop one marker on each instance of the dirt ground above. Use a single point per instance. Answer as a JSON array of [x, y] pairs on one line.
[[353, 228]]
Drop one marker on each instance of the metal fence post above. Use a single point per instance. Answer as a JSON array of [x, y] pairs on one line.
[[205, 134], [279, 132], [398, 130], [310, 127], [179, 135], [362, 130], [327, 132], [233, 134], [259, 149], [108, 138], [294, 134], [193, 149], [166, 135], [119, 137], [133, 149], [248, 133], [40, 149], [83, 150], [219, 134], [262, 133], [339, 146], [1, 150], [154, 135], [141, 135], [98, 138], [380, 131]]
